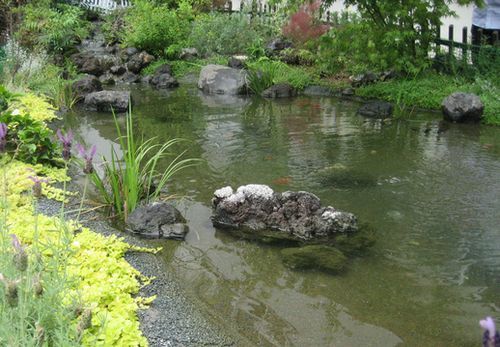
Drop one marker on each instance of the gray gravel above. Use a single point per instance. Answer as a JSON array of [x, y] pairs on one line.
[[172, 319]]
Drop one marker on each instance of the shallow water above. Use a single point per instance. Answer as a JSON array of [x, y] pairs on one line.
[[430, 190]]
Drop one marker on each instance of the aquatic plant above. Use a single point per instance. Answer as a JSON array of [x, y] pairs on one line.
[[135, 178]]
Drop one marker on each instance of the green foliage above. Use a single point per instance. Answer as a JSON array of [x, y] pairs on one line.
[[25, 70], [386, 35], [136, 179], [256, 49], [26, 293], [182, 67], [54, 29], [225, 34], [265, 72], [154, 28], [113, 26], [73, 288], [28, 139], [428, 91]]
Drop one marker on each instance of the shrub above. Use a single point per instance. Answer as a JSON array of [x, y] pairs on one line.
[[225, 34], [113, 26], [304, 25], [54, 29], [28, 139], [264, 72], [155, 27]]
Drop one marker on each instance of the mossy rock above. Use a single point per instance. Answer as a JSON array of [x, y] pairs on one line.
[[340, 176], [358, 242], [314, 257]]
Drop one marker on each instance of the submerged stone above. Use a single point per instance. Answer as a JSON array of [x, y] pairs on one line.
[[340, 176], [314, 257], [356, 243]]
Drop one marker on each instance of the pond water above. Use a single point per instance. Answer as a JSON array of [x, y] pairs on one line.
[[430, 189]]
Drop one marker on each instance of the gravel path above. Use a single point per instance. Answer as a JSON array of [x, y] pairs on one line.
[[172, 319]]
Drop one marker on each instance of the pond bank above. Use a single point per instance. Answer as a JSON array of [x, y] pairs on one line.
[[172, 319]]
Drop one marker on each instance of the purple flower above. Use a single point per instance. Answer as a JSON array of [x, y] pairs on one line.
[[66, 141], [20, 257], [88, 157], [491, 338], [37, 185], [3, 137]]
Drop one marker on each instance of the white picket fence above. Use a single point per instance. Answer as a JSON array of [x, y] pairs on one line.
[[104, 5]]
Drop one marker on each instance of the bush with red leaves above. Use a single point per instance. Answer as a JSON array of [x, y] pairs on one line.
[[305, 25]]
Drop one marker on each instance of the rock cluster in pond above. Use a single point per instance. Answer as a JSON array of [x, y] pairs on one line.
[[297, 215], [219, 79], [462, 107], [157, 220], [108, 65], [376, 109]]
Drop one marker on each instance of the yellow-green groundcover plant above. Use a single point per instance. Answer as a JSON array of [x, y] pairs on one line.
[[97, 274]]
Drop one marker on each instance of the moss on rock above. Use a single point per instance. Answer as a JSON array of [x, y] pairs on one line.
[[358, 242], [314, 257]]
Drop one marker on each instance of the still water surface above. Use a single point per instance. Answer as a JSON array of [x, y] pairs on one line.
[[432, 192]]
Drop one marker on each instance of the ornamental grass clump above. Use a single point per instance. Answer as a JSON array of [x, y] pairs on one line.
[[135, 178]]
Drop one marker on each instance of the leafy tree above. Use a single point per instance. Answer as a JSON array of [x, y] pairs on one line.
[[401, 30]]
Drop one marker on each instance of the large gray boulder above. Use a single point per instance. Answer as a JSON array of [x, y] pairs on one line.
[[157, 220], [219, 79], [298, 215], [85, 85], [108, 100], [462, 107]]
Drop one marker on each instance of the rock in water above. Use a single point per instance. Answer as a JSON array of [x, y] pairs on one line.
[[107, 101], [158, 220], [219, 79], [163, 79], [462, 107], [85, 85], [314, 257], [299, 215], [280, 90], [376, 109]]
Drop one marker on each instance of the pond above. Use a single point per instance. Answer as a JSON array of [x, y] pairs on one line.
[[430, 189]]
